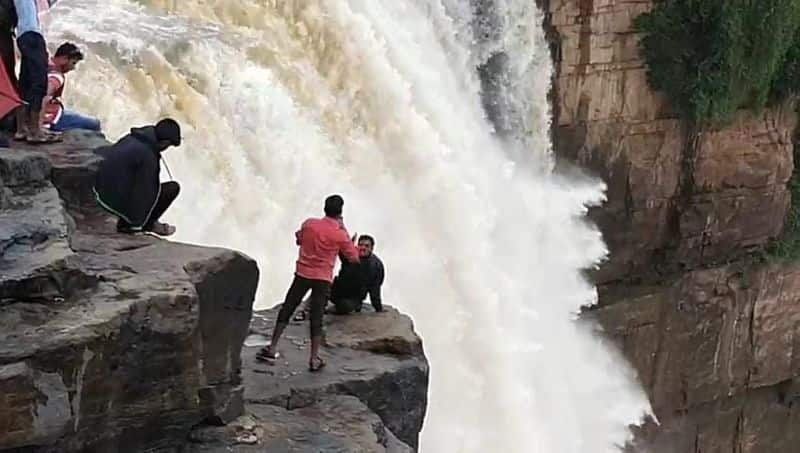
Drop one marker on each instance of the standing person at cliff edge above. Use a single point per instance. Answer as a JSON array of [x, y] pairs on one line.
[[127, 184], [320, 241], [33, 70]]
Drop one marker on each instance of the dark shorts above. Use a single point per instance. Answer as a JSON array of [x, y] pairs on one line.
[[33, 69]]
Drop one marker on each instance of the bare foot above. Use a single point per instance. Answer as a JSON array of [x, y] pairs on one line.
[[162, 229]]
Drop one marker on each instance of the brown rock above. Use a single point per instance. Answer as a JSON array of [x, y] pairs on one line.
[[611, 122], [711, 335]]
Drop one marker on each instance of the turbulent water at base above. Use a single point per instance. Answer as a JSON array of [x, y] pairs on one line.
[[284, 102]]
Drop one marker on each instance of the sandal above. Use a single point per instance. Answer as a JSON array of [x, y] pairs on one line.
[[320, 364], [265, 354], [302, 316], [44, 139]]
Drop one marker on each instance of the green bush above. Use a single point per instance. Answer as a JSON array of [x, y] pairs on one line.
[[788, 83], [712, 57]]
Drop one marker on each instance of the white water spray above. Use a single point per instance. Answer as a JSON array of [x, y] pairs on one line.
[[284, 102]]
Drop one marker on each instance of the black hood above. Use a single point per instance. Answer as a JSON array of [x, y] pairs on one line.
[[146, 134]]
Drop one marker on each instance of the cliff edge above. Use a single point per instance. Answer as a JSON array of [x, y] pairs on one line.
[[120, 343]]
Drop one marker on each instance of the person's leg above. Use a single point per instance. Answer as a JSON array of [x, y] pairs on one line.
[[22, 85], [34, 59], [319, 297], [169, 192], [123, 226], [294, 296], [72, 120], [344, 306]]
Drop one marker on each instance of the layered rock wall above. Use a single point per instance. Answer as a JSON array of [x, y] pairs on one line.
[[712, 332], [675, 201]]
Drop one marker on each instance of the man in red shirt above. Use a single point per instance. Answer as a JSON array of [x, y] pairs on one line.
[[321, 241], [54, 115]]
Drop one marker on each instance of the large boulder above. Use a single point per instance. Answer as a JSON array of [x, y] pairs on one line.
[[332, 424], [108, 342], [374, 358]]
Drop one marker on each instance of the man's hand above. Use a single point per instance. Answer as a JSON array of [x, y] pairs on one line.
[[355, 235]]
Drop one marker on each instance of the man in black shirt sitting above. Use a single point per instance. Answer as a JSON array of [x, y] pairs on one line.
[[355, 281]]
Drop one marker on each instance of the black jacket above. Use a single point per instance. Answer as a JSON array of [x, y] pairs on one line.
[[127, 183], [356, 280]]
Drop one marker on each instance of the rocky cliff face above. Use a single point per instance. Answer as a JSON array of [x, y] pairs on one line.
[[673, 203], [711, 333], [108, 343], [119, 343]]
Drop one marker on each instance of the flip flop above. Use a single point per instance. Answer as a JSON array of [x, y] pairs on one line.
[[302, 316], [46, 139], [266, 355]]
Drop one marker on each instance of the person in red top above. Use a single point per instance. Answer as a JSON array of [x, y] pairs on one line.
[[54, 115], [321, 241]]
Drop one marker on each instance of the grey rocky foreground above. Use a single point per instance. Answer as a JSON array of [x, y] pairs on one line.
[[375, 357], [131, 343]]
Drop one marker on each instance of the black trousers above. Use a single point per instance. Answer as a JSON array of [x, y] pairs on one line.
[[169, 192], [345, 306], [319, 297], [33, 69]]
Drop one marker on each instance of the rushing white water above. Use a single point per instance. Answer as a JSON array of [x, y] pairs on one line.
[[286, 101]]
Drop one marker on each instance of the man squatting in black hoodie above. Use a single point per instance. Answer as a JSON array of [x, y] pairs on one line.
[[127, 183]]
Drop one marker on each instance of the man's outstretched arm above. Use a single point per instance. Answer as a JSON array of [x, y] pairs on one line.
[[375, 288]]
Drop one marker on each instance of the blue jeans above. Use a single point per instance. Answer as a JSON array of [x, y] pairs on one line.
[[72, 120]]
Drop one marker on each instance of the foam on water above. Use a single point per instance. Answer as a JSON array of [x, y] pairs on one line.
[[286, 101]]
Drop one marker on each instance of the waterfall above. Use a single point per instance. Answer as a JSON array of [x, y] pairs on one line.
[[284, 102]]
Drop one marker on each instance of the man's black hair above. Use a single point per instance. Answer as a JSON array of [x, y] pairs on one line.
[[70, 51], [334, 205], [366, 237], [169, 130]]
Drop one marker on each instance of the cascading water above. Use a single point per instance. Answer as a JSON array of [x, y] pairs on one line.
[[286, 101]]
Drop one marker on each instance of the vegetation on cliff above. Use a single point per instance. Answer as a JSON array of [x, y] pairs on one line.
[[787, 246], [713, 57]]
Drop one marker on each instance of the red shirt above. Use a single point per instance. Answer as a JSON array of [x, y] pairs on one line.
[[55, 88], [320, 241]]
